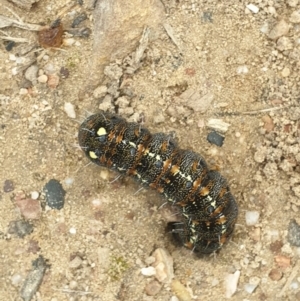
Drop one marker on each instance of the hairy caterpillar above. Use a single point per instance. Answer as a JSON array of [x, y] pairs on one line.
[[208, 209]]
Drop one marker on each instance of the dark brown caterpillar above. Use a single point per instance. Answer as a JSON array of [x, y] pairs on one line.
[[209, 210]]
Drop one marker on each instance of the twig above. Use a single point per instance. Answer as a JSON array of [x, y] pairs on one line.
[[263, 110], [170, 32], [68, 291], [18, 40]]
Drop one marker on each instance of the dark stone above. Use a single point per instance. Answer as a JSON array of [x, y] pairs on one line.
[[215, 138], [10, 45], [8, 186], [294, 233], [80, 18], [20, 227], [55, 194]]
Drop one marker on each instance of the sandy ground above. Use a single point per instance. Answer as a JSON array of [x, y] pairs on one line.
[[224, 50]]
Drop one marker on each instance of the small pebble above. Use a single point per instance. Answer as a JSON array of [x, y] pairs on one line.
[[163, 265], [268, 123], [10, 45], [294, 233], [80, 18], [72, 231], [149, 271], [218, 125], [53, 81], [260, 155], [64, 72], [42, 79], [23, 91], [100, 91], [152, 288], [252, 218], [215, 138], [70, 110], [16, 280], [253, 8], [282, 261], [34, 195], [242, 70], [33, 279], [54, 194], [29, 208], [73, 284], [294, 285], [20, 227], [8, 186], [285, 72], [275, 274], [68, 42], [31, 73], [180, 291], [75, 263], [250, 288], [279, 30], [295, 17], [231, 281], [69, 181], [197, 103]]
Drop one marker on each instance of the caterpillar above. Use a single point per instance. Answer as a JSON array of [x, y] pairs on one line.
[[202, 196]]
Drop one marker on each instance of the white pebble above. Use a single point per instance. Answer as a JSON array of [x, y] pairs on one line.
[[149, 271], [12, 57], [73, 284], [231, 281], [253, 8], [14, 71], [294, 285], [68, 42], [16, 279], [218, 125], [69, 181], [34, 195], [252, 218], [23, 91], [96, 203], [72, 230], [250, 288], [49, 69], [69, 109], [31, 73], [42, 79], [242, 70]]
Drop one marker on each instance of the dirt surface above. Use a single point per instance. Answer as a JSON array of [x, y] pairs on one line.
[[245, 65]]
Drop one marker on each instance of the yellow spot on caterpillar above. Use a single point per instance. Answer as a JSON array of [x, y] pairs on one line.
[[132, 144], [93, 155], [101, 131]]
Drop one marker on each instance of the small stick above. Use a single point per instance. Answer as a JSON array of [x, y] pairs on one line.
[[263, 110]]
